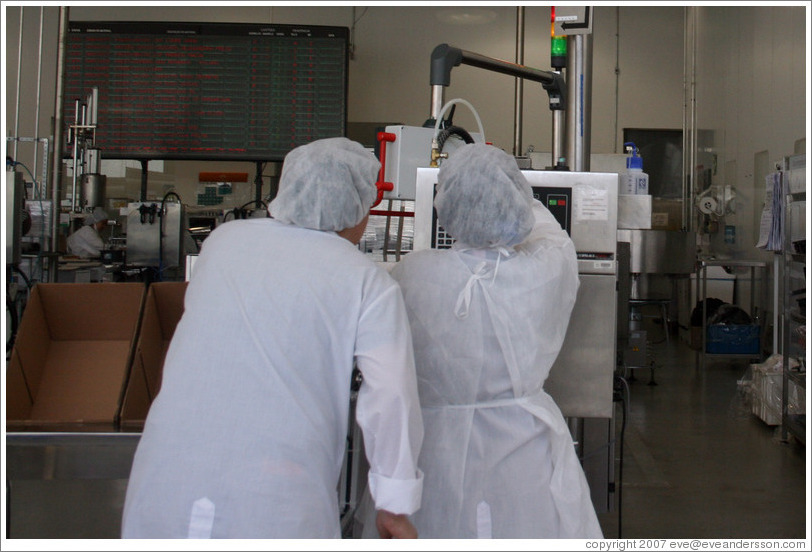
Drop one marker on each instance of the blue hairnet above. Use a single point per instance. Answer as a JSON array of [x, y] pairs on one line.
[[97, 215], [483, 199], [328, 184]]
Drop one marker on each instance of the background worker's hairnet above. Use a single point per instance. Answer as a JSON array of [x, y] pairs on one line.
[[483, 199], [97, 215], [328, 184]]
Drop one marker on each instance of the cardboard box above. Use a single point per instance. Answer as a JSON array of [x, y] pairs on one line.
[[162, 311], [70, 364]]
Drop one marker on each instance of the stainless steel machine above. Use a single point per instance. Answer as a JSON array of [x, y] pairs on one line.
[[581, 380], [155, 234], [655, 263], [88, 188]]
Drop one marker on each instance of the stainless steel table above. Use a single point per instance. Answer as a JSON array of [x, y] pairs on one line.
[[62, 485], [756, 311], [67, 485]]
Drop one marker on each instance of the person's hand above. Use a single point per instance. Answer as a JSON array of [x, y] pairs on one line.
[[394, 526]]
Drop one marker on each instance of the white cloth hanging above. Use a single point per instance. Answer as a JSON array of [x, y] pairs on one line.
[[85, 242]]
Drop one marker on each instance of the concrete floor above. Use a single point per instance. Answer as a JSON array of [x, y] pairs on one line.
[[698, 464]]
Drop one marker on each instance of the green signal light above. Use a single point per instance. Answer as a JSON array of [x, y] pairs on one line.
[[558, 46]]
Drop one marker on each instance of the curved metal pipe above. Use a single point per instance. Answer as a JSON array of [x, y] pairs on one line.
[[445, 57]]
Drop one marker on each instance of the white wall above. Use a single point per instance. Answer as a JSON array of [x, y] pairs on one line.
[[752, 93], [24, 122], [389, 72]]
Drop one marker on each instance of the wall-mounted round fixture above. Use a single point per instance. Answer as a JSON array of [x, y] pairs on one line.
[[708, 205]]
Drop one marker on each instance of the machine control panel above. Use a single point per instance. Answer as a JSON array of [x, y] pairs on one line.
[[558, 201], [585, 204]]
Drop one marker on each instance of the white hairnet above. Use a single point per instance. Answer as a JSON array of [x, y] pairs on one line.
[[483, 199], [328, 184], [97, 215]]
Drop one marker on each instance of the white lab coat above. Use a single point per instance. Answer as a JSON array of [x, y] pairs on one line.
[[85, 242], [487, 326], [247, 435]]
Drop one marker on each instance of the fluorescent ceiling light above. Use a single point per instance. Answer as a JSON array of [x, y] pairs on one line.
[[466, 16]]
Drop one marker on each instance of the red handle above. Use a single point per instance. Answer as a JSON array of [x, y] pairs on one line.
[[383, 138]]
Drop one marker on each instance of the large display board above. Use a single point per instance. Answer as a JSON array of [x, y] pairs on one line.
[[240, 92]]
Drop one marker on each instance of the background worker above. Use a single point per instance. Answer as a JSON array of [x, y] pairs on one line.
[[87, 242]]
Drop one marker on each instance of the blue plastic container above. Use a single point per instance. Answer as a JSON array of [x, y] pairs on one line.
[[733, 339]]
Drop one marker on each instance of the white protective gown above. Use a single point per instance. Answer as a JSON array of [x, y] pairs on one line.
[[498, 458], [246, 437], [85, 242]]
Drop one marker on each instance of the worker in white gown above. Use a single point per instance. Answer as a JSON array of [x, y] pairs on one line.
[[87, 242], [247, 435], [488, 319]]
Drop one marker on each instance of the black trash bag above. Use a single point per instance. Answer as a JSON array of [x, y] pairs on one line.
[[730, 315], [713, 305]]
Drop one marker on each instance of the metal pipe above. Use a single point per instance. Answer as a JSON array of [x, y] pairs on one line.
[[689, 183], [258, 184], [776, 299], [144, 177], [43, 180], [558, 137], [685, 69], [685, 110], [76, 122], [19, 69], [437, 102], [579, 108], [42, 188], [507, 68], [58, 138], [617, 75], [93, 109], [519, 85], [445, 57]]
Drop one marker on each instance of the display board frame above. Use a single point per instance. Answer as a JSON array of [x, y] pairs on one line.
[[207, 91]]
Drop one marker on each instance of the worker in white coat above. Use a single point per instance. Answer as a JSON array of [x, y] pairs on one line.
[[247, 435], [488, 319], [87, 242]]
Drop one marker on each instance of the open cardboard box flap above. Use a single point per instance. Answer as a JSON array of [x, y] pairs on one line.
[[163, 309], [71, 359]]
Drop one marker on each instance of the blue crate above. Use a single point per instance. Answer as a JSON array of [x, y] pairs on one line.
[[734, 339]]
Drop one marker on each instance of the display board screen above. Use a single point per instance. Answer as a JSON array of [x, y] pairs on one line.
[[240, 92]]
